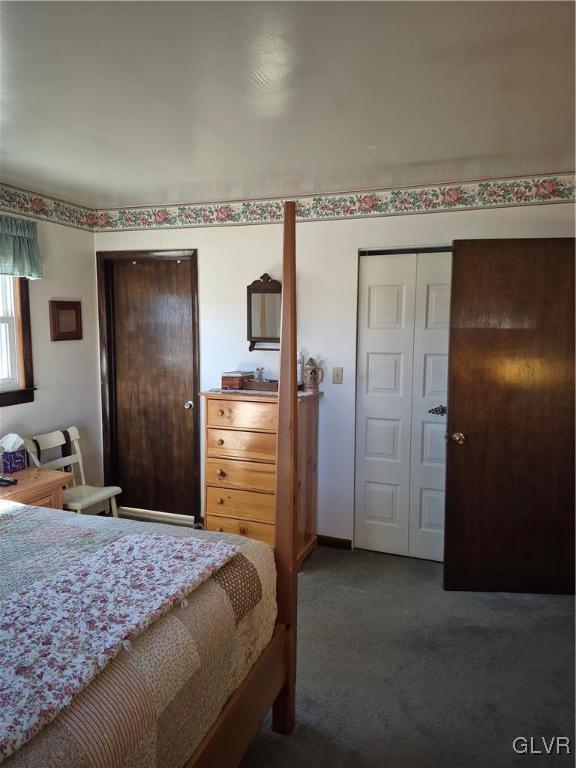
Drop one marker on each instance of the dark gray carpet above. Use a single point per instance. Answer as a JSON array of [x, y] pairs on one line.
[[393, 671]]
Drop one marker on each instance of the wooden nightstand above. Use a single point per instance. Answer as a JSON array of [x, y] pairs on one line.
[[37, 487]]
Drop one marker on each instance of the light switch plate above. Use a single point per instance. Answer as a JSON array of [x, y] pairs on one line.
[[337, 375]]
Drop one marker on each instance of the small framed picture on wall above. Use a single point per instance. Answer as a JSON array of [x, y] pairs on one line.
[[65, 320]]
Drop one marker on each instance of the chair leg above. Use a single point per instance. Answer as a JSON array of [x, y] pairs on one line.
[[113, 507]]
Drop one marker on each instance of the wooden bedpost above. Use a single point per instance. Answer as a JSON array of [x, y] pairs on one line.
[[287, 477]]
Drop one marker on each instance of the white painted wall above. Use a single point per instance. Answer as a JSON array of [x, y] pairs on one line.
[[229, 258], [66, 373]]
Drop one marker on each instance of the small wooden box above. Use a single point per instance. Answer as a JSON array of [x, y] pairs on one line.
[[236, 379]]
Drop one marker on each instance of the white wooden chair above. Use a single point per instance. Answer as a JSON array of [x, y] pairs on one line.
[[79, 496]]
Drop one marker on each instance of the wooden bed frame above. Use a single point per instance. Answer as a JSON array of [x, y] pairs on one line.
[[272, 680]]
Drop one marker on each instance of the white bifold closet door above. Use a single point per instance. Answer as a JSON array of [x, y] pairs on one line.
[[403, 318]]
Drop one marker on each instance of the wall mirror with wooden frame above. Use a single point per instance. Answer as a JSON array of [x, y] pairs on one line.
[[264, 306]]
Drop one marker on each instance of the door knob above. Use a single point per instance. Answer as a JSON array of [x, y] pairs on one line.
[[457, 437], [439, 410], [188, 405]]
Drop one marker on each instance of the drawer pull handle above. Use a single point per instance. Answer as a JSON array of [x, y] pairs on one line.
[[220, 412], [242, 531], [221, 473], [219, 501], [220, 530], [220, 441]]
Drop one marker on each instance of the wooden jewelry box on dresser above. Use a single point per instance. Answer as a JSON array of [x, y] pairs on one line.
[[240, 465]]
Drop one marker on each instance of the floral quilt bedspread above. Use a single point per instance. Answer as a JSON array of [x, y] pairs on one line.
[[79, 597]]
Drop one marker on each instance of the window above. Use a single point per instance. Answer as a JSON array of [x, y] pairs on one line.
[[8, 340], [16, 377]]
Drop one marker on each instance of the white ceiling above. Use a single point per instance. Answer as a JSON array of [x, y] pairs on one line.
[[110, 104]]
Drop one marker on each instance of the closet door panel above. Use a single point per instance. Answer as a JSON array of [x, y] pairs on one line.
[[430, 384], [384, 395]]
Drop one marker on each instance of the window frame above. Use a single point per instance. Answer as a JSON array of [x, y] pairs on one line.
[[25, 392]]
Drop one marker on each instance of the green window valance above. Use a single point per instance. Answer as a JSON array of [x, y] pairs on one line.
[[19, 254]]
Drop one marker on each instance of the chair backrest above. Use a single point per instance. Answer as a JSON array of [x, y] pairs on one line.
[[69, 443]]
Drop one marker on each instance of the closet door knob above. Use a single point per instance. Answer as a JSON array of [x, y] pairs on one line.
[[188, 405], [457, 437], [220, 441]]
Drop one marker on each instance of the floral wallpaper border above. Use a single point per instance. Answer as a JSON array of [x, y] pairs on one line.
[[498, 193]]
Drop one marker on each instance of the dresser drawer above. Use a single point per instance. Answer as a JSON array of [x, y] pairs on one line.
[[260, 531], [38, 498], [235, 443], [242, 415], [242, 504], [245, 475], [46, 501]]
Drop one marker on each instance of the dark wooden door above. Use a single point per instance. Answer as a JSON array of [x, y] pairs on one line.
[[152, 340], [510, 484]]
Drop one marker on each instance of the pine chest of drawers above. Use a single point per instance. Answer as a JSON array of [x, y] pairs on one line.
[[240, 466]]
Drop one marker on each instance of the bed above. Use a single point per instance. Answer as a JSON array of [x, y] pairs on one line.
[[192, 688], [157, 699]]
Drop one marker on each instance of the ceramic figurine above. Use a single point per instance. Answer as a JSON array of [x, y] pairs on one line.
[[313, 375]]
